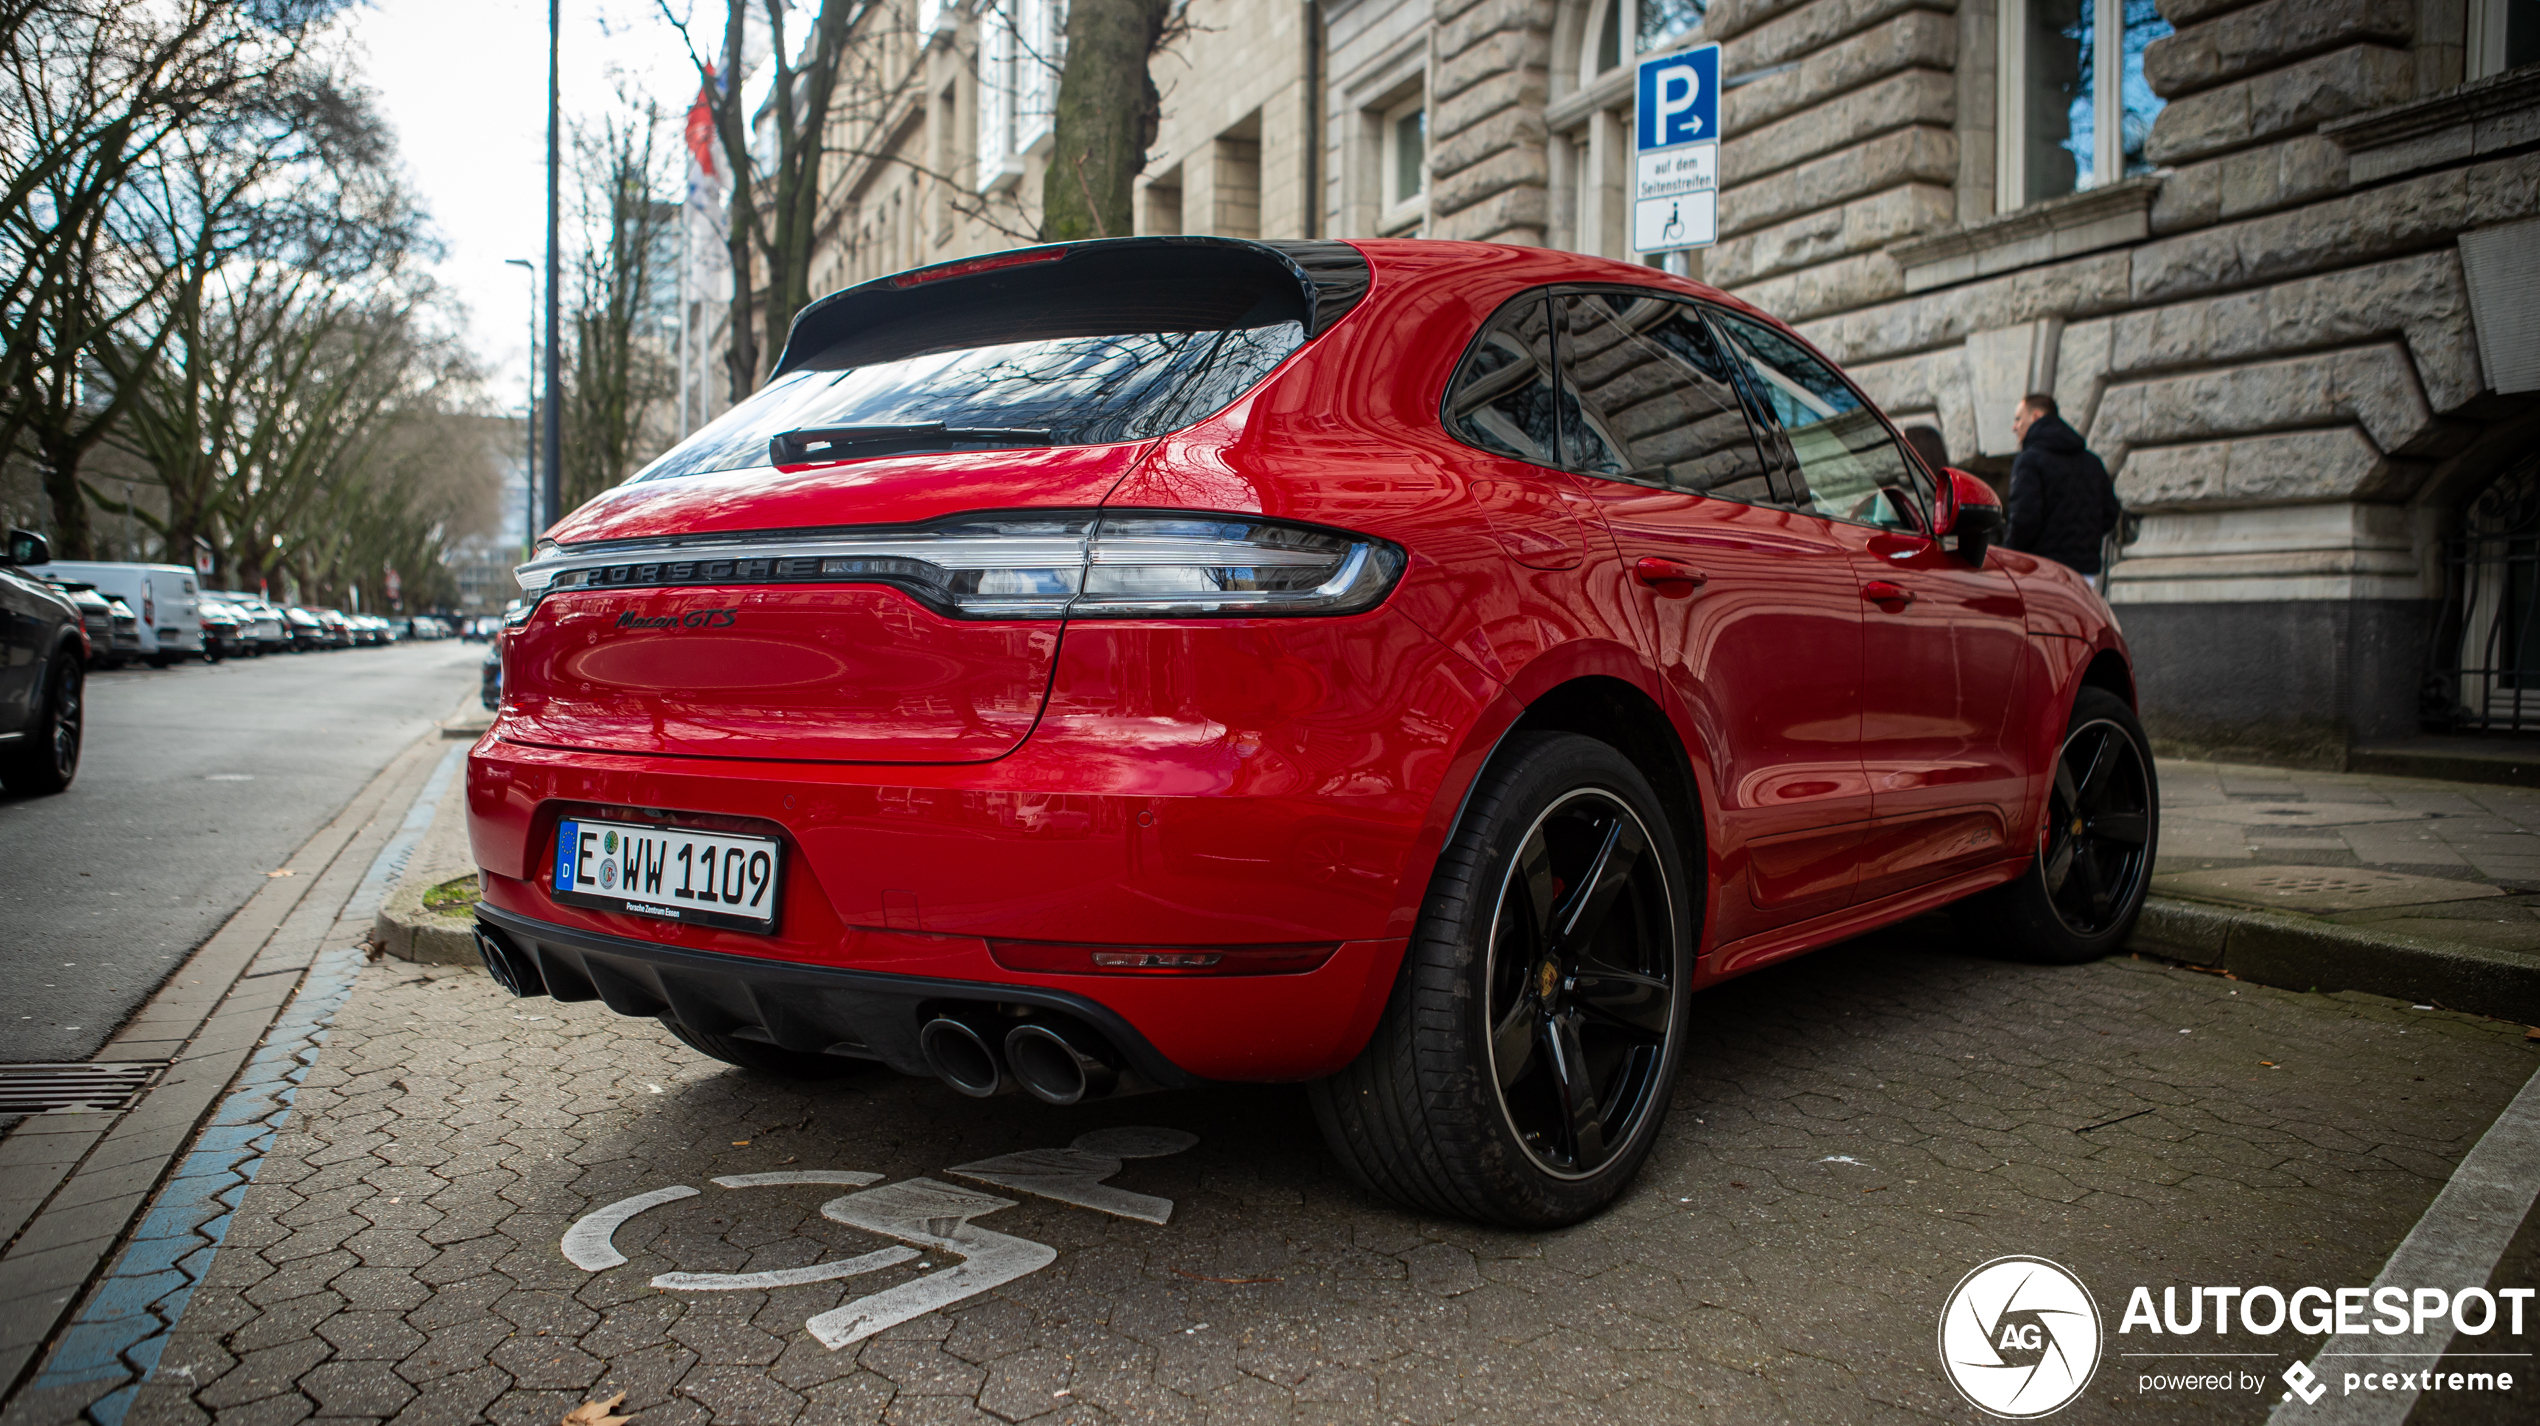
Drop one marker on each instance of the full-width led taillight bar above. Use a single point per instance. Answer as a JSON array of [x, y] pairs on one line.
[[1139, 564]]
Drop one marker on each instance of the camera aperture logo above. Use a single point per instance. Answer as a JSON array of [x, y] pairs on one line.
[[2020, 1337]]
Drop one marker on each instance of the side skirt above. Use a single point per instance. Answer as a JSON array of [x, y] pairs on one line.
[[1781, 943]]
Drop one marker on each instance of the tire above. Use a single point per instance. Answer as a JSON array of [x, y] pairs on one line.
[[765, 1059], [1458, 1104], [2079, 898], [46, 760]]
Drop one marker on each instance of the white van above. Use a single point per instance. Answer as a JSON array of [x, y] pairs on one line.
[[162, 597]]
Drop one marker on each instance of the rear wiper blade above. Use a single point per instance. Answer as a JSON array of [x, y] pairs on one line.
[[812, 443]]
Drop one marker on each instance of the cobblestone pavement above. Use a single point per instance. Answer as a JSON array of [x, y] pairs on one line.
[[1855, 1131]]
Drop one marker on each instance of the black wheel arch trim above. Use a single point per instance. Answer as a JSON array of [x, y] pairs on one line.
[[846, 1005]]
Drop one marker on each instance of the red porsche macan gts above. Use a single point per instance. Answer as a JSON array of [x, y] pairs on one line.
[[1410, 668]]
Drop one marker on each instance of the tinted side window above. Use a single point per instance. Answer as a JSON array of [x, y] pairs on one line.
[[1851, 466], [1502, 398], [1656, 399]]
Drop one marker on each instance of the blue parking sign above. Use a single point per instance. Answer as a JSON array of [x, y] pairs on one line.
[[1679, 98]]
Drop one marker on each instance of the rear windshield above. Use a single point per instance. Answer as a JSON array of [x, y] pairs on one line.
[[1086, 362]]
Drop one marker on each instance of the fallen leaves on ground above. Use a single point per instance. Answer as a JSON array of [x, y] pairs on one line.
[[597, 1413]]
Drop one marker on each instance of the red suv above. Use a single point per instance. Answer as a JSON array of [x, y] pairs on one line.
[[1410, 668]]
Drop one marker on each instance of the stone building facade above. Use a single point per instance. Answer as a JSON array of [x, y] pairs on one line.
[[2278, 260]]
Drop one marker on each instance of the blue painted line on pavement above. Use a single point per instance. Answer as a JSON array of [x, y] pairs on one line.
[[120, 1335]]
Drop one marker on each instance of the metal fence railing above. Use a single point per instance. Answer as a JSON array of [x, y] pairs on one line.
[[2484, 658]]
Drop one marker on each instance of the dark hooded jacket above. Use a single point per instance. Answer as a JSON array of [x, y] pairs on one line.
[[2062, 502]]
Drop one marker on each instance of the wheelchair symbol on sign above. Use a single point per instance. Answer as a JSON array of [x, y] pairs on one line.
[[1675, 223], [933, 1216]]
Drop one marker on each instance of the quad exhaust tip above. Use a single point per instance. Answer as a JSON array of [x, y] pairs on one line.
[[961, 1057], [1060, 1063]]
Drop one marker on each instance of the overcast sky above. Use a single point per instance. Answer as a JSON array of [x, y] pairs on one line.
[[464, 82]]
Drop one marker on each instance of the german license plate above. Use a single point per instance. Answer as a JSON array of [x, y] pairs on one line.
[[702, 878]]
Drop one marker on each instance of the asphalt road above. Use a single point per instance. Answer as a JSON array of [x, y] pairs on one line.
[[195, 782]]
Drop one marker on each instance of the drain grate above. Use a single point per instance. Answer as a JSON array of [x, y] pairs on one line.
[[2305, 885], [37, 1089]]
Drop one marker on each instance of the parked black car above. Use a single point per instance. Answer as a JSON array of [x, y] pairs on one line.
[[306, 631], [42, 674], [96, 619], [223, 631]]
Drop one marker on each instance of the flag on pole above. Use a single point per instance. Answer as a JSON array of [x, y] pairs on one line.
[[709, 224], [701, 136]]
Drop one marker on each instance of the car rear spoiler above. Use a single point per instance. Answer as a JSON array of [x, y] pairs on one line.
[[1330, 278]]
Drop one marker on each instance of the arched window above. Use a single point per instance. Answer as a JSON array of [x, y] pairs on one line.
[[1652, 25]]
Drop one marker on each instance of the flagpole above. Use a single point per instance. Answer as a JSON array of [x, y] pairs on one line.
[[686, 240]]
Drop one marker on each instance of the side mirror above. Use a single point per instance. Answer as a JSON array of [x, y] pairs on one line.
[[27, 547], [1971, 514]]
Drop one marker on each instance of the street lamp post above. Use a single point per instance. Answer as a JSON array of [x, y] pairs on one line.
[[529, 537], [554, 422]]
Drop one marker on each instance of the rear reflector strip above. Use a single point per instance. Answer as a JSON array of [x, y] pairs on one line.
[[1064, 959]]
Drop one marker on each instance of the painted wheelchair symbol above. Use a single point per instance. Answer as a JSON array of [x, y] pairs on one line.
[[1675, 223], [933, 1216]]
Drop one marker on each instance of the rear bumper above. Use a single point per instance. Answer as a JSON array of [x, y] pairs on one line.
[[1173, 1031], [1246, 784]]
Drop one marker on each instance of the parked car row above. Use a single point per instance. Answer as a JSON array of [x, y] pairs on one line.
[[159, 614], [247, 625]]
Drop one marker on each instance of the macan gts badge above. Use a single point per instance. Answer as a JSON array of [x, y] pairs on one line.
[[692, 619], [1408, 669]]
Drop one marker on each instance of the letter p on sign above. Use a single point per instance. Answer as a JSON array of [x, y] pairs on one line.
[[1679, 99]]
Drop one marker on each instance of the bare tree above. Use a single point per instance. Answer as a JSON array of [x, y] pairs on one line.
[[621, 312], [140, 135], [1108, 111]]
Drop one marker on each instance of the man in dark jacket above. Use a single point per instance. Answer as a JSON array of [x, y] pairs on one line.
[[2062, 503]]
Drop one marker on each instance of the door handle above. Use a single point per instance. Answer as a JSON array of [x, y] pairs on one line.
[[1888, 595], [1673, 579]]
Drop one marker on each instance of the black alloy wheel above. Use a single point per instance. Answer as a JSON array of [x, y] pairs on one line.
[[1522, 1067], [2098, 827], [1583, 984], [2085, 887], [47, 759]]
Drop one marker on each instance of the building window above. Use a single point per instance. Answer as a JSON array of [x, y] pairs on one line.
[[2503, 35], [1653, 25], [2076, 109], [996, 99], [1405, 139]]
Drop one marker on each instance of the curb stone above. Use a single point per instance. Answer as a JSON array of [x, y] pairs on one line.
[[406, 930], [2300, 953], [403, 928]]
